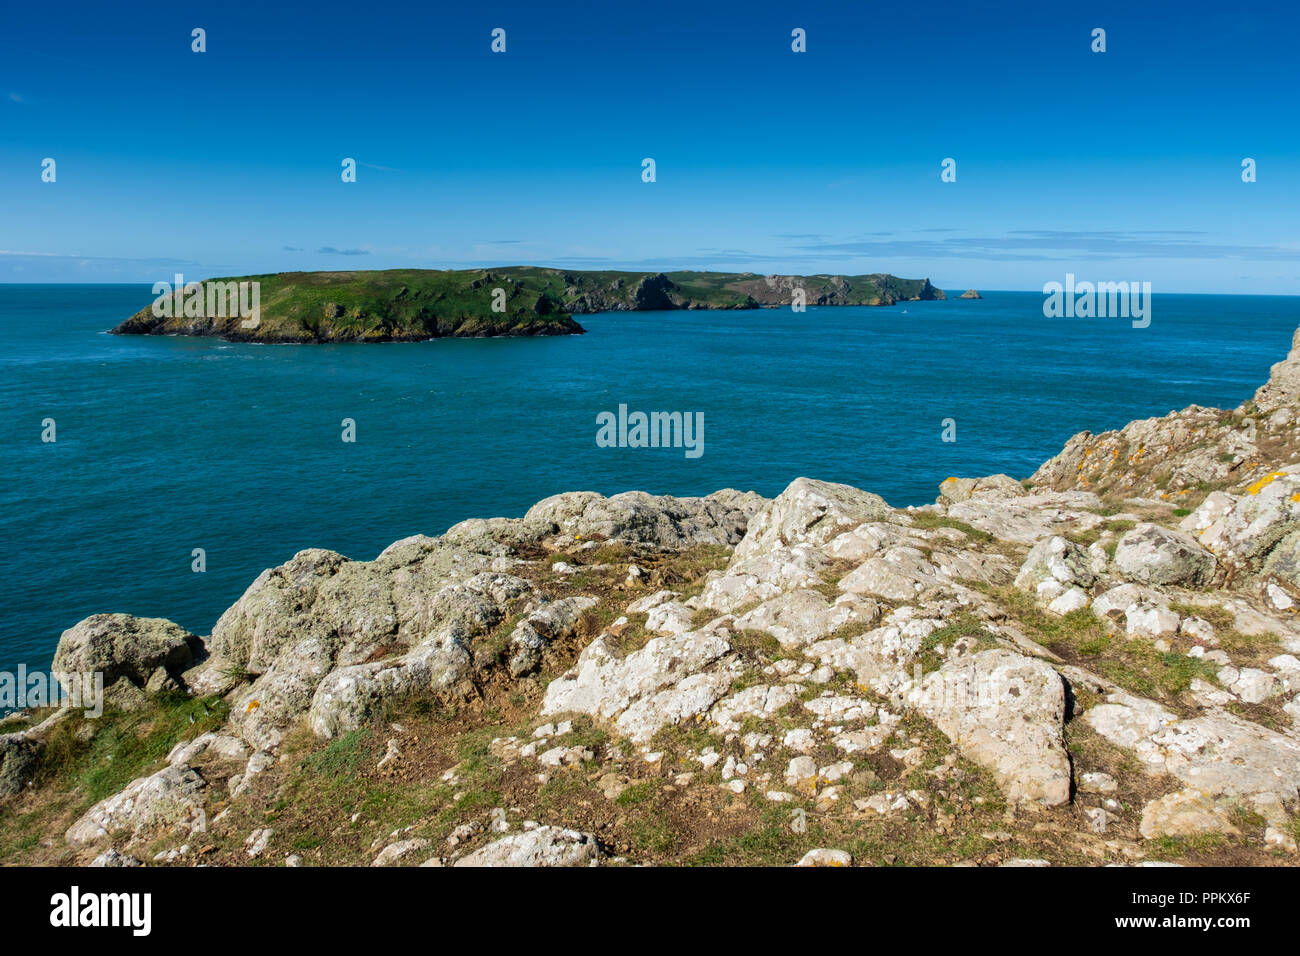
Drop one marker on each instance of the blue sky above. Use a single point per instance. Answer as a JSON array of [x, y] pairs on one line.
[[1122, 165]]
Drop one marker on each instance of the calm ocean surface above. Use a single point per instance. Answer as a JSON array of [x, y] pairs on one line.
[[170, 444]]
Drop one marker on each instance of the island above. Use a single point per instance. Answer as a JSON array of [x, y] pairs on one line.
[[404, 305]]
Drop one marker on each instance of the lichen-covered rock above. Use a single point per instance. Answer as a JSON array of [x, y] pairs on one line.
[[124, 647], [720, 518], [1152, 621], [327, 638], [1072, 599], [650, 683], [763, 576], [1115, 602], [761, 700], [171, 798], [783, 547], [1151, 554], [551, 622], [1218, 753], [1006, 712], [219, 746], [953, 490], [1254, 523], [670, 617], [1214, 508], [689, 696], [971, 565], [1160, 458], [347, 697], [808, 512], [1185, 813], [544, 846], [273, 611], [20, 755], [111, 858], [826, 857], [897, 574], [872, 538], [802, 616], [882, 657], [1056, 559], [1029, 519], [394, 852]]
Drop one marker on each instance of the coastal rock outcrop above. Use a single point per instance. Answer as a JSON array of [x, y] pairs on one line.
[[130, 653], [1184, 454], [1102, 666], [1281, 393], [331, 639]]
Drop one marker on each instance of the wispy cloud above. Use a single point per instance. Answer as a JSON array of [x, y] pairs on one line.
[[1053, 245], [1038, 245], [331, 251], [156, 261], [1091, 233]]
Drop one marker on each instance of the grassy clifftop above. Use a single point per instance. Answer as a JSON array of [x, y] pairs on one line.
[[414, 304]]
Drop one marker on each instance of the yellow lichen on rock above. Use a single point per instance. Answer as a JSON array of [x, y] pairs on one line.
[[1264, 482]]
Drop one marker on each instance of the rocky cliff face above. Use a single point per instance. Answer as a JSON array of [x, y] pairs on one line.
[[1077, 671], [1187, 454], [704, 290]]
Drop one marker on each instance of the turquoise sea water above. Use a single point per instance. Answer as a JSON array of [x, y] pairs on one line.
[[170, 444]]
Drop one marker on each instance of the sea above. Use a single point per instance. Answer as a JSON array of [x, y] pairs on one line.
[[166, 445]]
